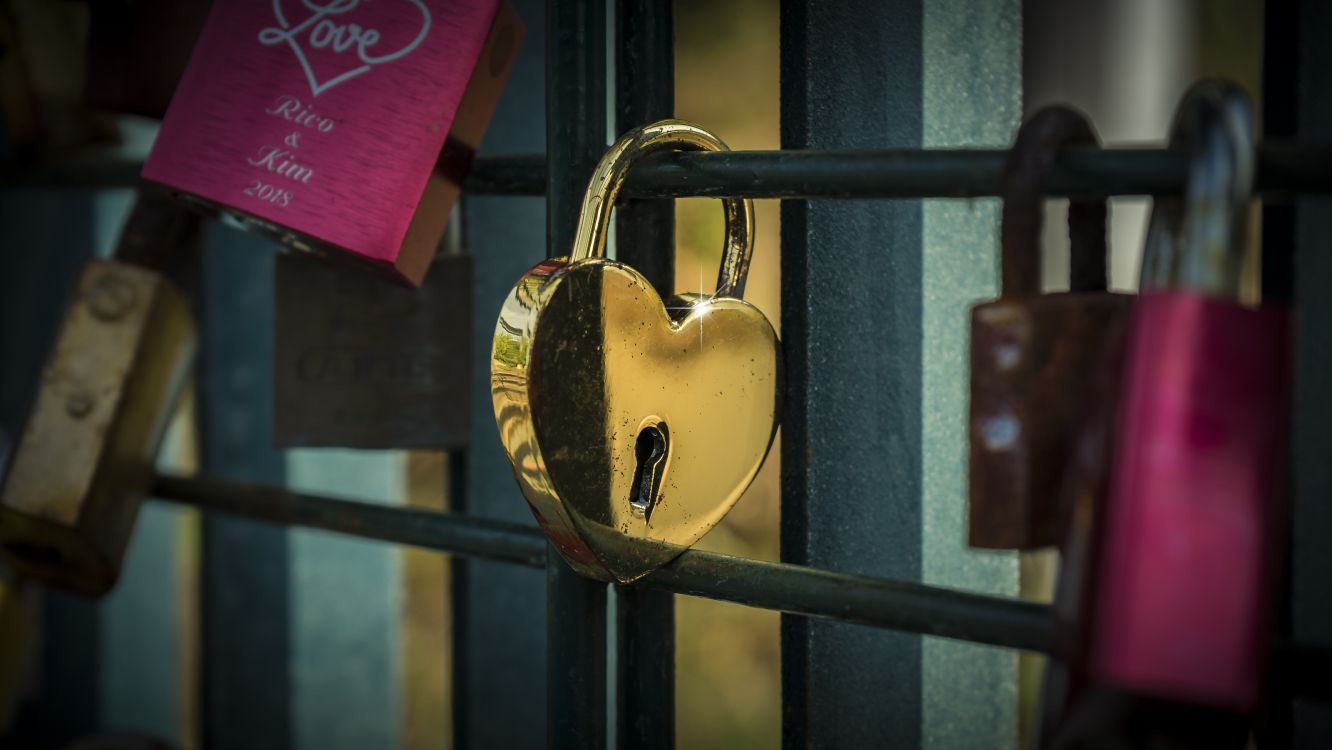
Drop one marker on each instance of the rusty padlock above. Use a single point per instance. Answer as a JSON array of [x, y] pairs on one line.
[[84, 461], [1196, 512], [1032, 353]]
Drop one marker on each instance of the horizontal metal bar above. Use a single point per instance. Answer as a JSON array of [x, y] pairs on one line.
[[447, 532], [788, 588], [1284, 169], [894, 605], [910, 607]]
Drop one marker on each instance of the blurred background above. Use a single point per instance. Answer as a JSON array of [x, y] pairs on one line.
[[369, 625]]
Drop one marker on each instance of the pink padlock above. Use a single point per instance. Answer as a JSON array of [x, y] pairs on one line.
[[1187, 579], [338, 124]]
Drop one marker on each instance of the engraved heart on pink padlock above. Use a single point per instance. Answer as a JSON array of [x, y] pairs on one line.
[[338, 40]]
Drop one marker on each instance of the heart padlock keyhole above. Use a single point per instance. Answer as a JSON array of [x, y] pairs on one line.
[[651, 450]]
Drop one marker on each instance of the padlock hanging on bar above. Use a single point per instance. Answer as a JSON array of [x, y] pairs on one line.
[[633, 424], [79, 471], [1032, 354], [338, 128], [1196, 514]]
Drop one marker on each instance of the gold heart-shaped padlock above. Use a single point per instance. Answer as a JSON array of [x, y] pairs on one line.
[[633, 425]]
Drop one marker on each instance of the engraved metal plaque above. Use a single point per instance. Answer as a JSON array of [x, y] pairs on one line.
[[364, 363]]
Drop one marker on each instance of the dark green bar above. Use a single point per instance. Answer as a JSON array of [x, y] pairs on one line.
[[645, 239], [575, 139], [851, 424], [1284, 170], [789, 588], [794, 589]]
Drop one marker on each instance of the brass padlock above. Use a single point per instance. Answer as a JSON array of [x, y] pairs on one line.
[[85, 458], [362, 363], [1032, 353], [633, 425]]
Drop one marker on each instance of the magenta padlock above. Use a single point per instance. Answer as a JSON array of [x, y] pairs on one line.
[[1196, 511], [337, 124]]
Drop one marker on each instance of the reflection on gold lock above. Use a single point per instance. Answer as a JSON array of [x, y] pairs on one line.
[[632, 424], [85, 459]]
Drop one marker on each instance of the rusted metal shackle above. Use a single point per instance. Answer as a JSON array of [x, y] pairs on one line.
[[1032, 158]]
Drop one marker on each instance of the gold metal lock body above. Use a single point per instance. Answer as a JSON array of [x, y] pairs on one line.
[[633, 424], [1032, 354], [85, 459]]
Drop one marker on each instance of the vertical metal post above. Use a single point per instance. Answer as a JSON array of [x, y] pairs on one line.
[[244, 580], [1301, 106], [499, 611], [575, 139], [46, 238], [645, 239], [851, 319]]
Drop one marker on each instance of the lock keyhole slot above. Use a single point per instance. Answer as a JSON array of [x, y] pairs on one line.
[[651, 449]]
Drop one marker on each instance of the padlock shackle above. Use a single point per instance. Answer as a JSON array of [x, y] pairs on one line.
[[611, 171], [1030, 160], [1197, 241]]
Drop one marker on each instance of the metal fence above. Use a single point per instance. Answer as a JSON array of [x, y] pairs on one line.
[[831, 470]]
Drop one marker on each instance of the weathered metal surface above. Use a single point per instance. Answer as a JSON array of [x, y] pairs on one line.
[[1032, 354], [361, 363], [86, 456]]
